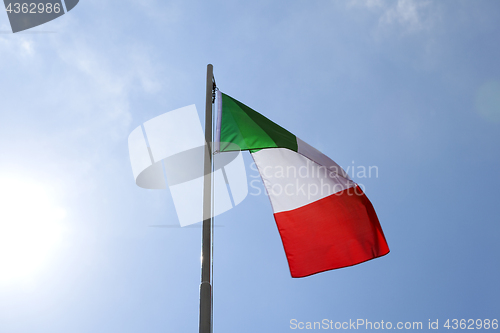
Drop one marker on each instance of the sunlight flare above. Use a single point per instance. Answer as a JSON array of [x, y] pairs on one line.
[[30, 227]]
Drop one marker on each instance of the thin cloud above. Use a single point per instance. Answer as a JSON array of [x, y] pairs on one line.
[[69, 101], [408, 16]]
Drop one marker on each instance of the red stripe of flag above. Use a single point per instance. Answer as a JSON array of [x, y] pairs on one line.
[[337, 231]]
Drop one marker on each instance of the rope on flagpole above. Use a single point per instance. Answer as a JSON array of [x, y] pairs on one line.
[[206, 245], [214, 87]]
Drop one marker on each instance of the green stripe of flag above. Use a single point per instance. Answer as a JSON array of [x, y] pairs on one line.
[[249, 129]]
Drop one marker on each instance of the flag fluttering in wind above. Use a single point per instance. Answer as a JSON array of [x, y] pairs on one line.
[[324, 219]]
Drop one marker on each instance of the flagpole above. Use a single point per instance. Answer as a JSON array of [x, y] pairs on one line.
[[206, 287]]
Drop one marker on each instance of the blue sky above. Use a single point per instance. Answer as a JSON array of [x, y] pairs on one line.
[[411, 87]]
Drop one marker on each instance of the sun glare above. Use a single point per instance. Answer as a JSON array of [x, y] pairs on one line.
[[30, 228]]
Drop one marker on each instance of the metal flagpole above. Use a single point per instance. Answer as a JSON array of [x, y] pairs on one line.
[[206, 255]]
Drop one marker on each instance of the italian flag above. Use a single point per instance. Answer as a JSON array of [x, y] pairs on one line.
[[324, 218]]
